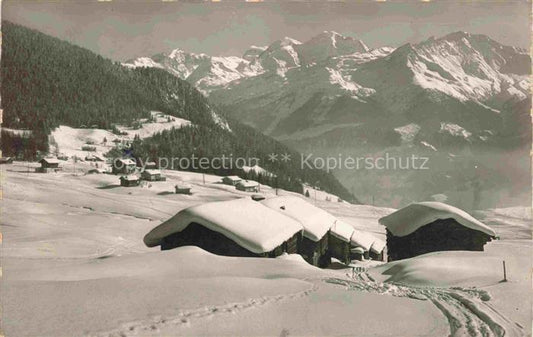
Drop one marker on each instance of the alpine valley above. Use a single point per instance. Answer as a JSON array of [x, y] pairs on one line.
[[461, 100]]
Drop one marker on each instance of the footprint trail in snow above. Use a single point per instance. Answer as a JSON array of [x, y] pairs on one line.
[[466, 309]]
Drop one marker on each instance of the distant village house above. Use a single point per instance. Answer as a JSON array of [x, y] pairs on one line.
[[48, 165], [123, 166], [88, 148], [94, 157], [6, 160], [183, 188], [151, 165], [231, 180], [129, 181], [248, 186], [152, 175], [96, 171]]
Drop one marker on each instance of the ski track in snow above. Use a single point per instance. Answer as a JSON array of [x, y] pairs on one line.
[[466, 309], [186, 316]]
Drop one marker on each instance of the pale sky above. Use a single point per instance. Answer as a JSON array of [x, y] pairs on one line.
[[123, 30]]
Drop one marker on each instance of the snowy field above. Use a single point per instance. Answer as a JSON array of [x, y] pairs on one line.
[[69, 141], [74, 264]]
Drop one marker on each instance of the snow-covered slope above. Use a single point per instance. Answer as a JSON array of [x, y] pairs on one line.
[[471, 67], [72, 262], [69, 141]]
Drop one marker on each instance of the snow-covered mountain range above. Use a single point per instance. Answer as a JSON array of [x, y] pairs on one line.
[[332, 94], [294, 90]]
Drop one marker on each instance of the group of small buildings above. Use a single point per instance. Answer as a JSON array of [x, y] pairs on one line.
[[242, 184], [128, 167], [269, 227], [266, 227], [130, 180]]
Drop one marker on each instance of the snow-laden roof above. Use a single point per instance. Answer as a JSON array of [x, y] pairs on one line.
[[362, 239], [377, 246], [232, 178], [97, 170], [342, 230], [50, 160], [248, 183], [183, 185], [247, 222], [410, 218], [152, 172], [316, 221], [130, 178], [125, 161]]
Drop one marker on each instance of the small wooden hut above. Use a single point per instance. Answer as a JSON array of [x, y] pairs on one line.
[[240, 227], [129, 181], [183, 188], [432, 226], [97, 171], [247, 186], [94, 157], [231, 180], [152, 175], [88, 148], [151, 165], [48, 165], [257, 197], [6, 160], [123, 166]]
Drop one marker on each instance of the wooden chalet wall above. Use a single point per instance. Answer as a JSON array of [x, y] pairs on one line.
[[339, 249], [440, 235], [315, 253]]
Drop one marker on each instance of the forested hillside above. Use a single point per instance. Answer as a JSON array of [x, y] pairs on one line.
[[47, 82]]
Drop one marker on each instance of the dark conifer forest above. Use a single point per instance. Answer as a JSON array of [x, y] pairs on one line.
[[47, 82]]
